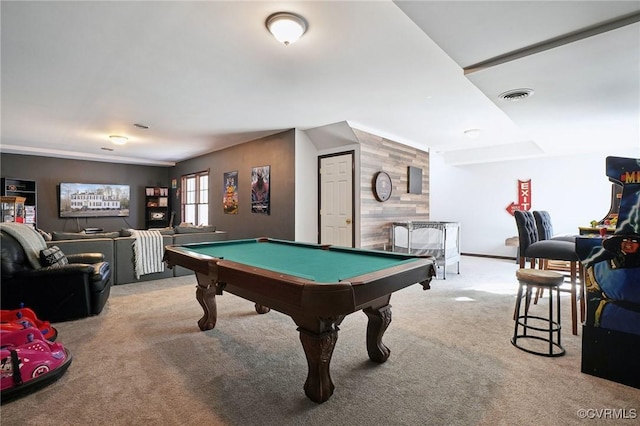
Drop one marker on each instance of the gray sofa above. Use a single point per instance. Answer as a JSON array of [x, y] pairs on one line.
[[118, 250]]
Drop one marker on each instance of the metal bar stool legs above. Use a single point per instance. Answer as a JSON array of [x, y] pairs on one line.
[[527, 334]]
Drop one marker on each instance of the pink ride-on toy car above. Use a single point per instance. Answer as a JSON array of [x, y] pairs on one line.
[[28, 362], [18, 319]]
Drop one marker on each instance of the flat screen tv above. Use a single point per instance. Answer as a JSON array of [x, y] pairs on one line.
[[93, 200]]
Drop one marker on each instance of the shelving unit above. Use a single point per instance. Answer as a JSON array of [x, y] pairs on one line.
[[12, 187], [157, 207], [12, 209]]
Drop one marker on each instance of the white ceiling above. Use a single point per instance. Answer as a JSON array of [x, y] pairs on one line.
[[206, 75]]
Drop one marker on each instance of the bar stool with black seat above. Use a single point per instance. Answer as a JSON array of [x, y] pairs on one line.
[[531, 329], [545, 232], [537, 251]]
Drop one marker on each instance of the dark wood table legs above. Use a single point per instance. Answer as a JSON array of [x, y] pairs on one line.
[[317, 335], [319, 344], [206, 297], [318, 349], [379, 320]]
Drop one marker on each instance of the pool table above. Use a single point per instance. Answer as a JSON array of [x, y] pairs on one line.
[[316, 285]]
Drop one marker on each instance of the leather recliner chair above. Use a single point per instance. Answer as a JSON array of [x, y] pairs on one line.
[[56, 293]]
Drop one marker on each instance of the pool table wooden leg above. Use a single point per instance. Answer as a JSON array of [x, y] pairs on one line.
[[206, 296], [261, 309], [379, 320], [318, 348]]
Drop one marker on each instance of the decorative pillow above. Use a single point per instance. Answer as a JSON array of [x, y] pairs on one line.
[[53, 256]]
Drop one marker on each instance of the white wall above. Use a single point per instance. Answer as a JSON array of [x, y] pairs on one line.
[[574, 190], [306, 175]]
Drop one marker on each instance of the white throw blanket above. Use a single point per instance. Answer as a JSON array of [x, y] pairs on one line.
[[30, 240], [148, 250]]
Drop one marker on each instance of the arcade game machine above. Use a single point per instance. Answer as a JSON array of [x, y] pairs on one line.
[[611, 332], [608, 223]]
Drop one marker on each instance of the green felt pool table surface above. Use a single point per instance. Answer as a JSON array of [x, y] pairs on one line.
[[302, 260]]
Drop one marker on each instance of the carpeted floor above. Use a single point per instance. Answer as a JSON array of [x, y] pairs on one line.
[[143, 360]]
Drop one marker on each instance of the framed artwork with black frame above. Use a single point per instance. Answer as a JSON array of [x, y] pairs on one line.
[[93, 200], [261, 190], [230, 189], [414, 181]]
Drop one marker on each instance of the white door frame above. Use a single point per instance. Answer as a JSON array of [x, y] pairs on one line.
[[353, 181]]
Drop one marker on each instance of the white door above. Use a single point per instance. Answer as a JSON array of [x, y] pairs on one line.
[[336, 200]]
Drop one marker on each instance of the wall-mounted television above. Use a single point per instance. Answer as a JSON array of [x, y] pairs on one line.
[[93, 200]]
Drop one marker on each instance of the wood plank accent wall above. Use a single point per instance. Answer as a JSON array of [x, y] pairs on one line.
[[380, 154]]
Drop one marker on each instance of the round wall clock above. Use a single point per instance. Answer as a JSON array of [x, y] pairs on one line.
[[382, 186]]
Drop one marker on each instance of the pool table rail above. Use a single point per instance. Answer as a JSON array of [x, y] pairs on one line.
[[285, 293]]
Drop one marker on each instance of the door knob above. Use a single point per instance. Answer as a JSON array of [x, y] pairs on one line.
[[348, 221]]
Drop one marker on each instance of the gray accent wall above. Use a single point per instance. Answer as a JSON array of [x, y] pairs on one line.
[[277, 151], [48, 172]]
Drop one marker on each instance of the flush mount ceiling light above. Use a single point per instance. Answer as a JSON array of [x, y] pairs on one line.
[[472, 133], [118, 140], [516, 94], [286, 27]]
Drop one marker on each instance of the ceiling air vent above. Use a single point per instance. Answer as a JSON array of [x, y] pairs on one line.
[[516, 94]]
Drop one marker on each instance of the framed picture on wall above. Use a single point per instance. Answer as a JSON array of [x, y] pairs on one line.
[[93, 200], [414, 180], [260, 189], [230, 191]]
